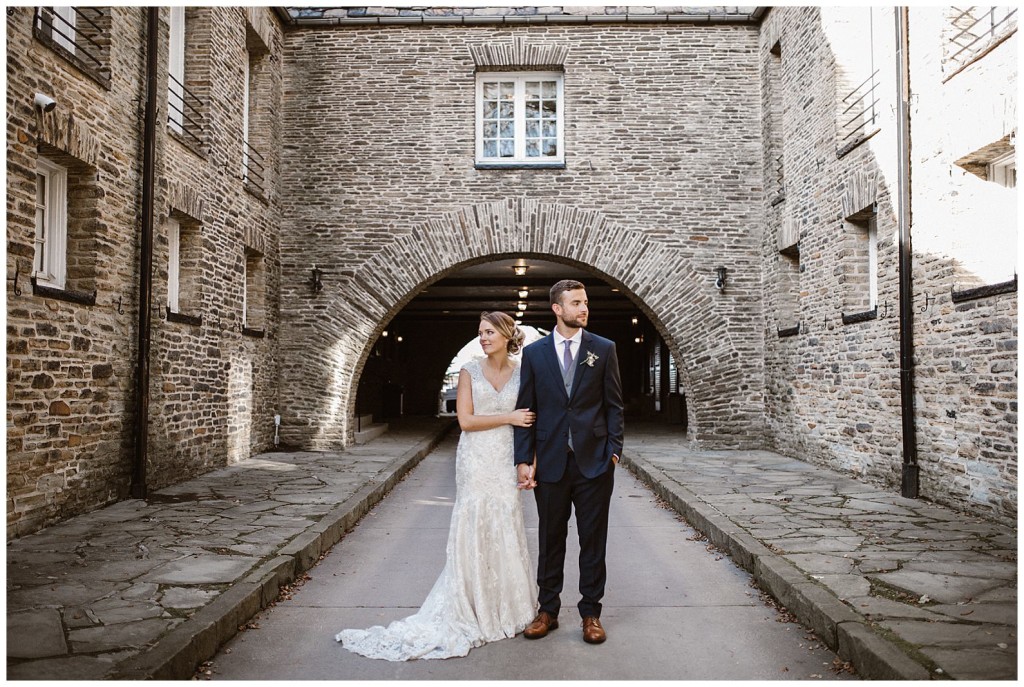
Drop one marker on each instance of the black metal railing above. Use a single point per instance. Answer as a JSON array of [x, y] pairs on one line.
[[252, 167], [861, 108], [85, 39], [974, 27], [184, 111]]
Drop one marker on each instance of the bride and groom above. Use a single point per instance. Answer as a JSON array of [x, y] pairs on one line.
[[553, 424]]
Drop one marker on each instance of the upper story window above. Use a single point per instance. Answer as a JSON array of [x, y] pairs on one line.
[[255, 119], [79, 34], [519, 119], [861, 40], [187, 83], [971, 32]]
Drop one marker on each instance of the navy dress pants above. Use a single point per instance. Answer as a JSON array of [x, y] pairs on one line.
[[591, 499]]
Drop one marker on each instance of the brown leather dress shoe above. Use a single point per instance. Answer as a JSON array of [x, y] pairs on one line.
[[541, 625], [593, 633]]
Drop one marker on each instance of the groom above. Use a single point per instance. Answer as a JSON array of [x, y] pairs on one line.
[[571, 380]]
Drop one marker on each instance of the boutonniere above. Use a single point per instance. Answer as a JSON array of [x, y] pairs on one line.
[[590, 359]]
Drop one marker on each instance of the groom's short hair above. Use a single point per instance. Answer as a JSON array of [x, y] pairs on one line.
[[561, 287]]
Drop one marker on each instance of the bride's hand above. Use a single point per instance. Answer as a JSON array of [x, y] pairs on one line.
[[522, 417]]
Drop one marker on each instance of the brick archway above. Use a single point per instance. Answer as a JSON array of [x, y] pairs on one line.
[[723, 384]]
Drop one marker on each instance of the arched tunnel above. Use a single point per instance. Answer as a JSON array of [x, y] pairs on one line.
[[406, 373]]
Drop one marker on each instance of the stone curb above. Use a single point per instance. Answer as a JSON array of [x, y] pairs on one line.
[[842, 629], [177, 654]]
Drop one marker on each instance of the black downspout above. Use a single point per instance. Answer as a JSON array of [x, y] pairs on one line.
[[910, 466], [138, 486]]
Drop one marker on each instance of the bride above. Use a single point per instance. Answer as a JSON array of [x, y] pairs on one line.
[[487, 590]]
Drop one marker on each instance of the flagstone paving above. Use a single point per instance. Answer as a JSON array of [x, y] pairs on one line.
[[149, 588], [938, 584]]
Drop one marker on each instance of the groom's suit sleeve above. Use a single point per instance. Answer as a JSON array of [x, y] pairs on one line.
[[525, 439], [613, 403]]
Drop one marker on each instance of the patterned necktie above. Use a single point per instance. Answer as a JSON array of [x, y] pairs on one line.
[[567, 357]]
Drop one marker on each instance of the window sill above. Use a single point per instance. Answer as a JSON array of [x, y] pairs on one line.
[[981, 52], [80, 297], [254, 333], [985, 291], [99, 74], [519, 165], [779, 198], [196, 147], [788, 331], [255, 191], [849, 147], [865, 316], [182, 318]]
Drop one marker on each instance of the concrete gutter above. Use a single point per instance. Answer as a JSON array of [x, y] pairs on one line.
[[179, 652], [843, 630]]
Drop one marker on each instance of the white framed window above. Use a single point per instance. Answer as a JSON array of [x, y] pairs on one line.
[[49, 264], [173, 264], [519, 118], [873, 262], [176, 69], [1003, 170], [61, 26]]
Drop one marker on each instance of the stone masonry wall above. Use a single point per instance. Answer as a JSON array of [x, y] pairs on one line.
[[659, 188], [833, 389], [71, 365]]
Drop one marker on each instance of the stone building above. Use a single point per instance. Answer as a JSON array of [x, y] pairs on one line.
[[74, 217], [727, 181]]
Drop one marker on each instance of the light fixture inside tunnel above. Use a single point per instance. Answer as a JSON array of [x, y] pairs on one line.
[[384, 333], [521, 306], [524, 293], [520, 270]]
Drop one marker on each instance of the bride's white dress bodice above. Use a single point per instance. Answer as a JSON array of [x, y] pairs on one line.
[[487, 589]]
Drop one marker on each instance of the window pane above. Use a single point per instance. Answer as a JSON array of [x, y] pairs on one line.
[[41, 189], [519, 118]]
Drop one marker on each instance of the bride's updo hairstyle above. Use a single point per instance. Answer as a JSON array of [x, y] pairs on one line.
[[506, 326]]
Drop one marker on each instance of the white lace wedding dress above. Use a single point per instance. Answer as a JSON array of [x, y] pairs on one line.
[[487, 590]]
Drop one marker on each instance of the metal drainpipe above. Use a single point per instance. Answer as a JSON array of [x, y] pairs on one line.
[[910, 466], [138, 485]]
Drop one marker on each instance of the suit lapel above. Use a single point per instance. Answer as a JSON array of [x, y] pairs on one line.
[[551, 357]]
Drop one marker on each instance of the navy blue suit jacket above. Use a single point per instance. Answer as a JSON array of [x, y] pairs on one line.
[[592, 412]]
